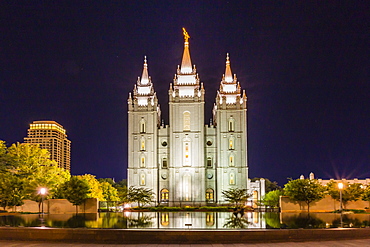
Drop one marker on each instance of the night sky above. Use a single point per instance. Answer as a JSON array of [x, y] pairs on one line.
[[304, 65]]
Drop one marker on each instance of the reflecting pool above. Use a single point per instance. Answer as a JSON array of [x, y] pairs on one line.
[[188, 220]]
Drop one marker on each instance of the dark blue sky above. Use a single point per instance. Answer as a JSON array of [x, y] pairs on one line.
[[304, 64]]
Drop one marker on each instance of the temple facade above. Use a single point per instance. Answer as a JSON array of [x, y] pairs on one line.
[[187, 161]]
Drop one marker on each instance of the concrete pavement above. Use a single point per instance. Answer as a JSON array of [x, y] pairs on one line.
[[340, 243]]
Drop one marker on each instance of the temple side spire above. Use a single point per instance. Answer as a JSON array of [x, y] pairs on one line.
[[228, 74], [145, 75], [186, 67]]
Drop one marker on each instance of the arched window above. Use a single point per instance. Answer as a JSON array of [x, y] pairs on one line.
[[231, 160], [142, 126], [186, 153], [210, 219], [209, 195], [142, 161], [142, 179], [142, 144], [231, 124], [232, 178], [164, 219], [165, 194], [209, 162], [186, 120], [231, 143], [164, 163]]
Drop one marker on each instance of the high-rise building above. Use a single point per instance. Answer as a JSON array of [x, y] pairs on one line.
[[52, 136], [188, 161]]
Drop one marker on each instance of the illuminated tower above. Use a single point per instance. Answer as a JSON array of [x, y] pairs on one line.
[[143, 122], [186, 134], [230, 119], [52, 136]]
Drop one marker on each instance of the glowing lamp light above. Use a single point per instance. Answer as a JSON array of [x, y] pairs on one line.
[[42, 191], [340, 186]]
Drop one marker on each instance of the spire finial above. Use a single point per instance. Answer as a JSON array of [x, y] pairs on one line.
[[228, 74], [186, 35], [186, 67], [145, 75]]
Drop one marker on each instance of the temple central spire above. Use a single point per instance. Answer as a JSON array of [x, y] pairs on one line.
[[186, 67]]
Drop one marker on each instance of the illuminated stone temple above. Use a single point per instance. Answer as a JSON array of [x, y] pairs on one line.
[[188, 162]]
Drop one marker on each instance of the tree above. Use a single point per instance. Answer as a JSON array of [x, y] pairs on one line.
[[33, 165], [3, 156], [95, 189], [366, 194], [76, 191], [235, 195], [350, 192], [12, 191], [140, 195], [272, 198], [304, 190], [109, 192], [269, 186]]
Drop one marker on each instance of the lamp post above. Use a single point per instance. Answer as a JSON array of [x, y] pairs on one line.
[[42, 192], [340, 187]]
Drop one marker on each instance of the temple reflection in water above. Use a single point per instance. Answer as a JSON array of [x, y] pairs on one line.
[[194, 220]]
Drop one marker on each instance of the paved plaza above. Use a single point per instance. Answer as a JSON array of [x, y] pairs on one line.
[[347, 243]]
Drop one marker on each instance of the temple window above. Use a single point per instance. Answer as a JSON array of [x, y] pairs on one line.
[[186, 153], [186, 119], [209, 162], [231, 160], [165, 195], [142, 179], [142, 144], [231, 143], [209, 195], [164, 163], [165, 219], [231, 124], [142, 161], [232, 179], [142, 126]]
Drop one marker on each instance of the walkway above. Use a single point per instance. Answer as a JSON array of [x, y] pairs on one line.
[[344, 243]]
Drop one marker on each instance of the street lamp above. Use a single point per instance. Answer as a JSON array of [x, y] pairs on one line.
[[340, 187], [42, 192]]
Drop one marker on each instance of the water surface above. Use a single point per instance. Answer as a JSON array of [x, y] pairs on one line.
[[188, 220]]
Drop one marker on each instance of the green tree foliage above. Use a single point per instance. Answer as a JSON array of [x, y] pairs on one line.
[[122, 193], [109, 180], [121, 184], [3, 156], [95, 188], [269, 186], [109, 192], [304, 190], [235, 195], [366, 194], [27, 168], [139, 195], [76, 191], [12, 192], [350, 192], [272, 198]]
